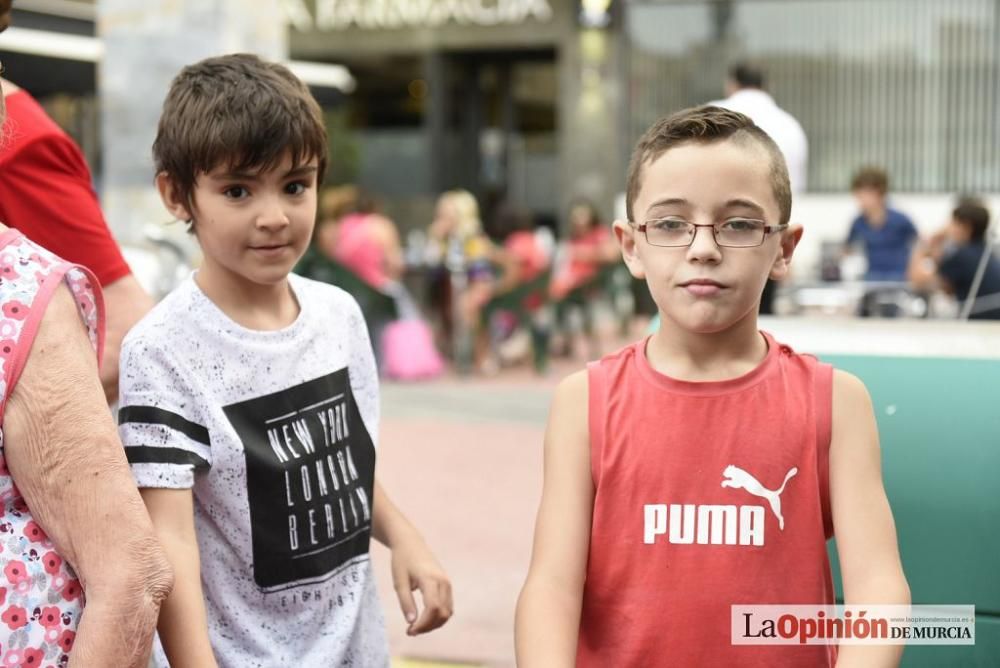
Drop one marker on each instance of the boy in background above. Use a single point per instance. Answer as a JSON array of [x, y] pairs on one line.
[[885, 233]]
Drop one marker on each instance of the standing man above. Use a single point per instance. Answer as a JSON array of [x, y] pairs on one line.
[[46, 192], [745, 88]]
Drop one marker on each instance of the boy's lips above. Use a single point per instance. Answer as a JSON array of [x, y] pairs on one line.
[[702, 281], [703, 287], [270, 249]]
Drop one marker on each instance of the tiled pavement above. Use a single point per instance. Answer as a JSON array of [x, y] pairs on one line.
[[463, 459]]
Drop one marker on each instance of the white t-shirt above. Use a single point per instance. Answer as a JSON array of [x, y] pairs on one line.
[[275, 432], [780, 125]]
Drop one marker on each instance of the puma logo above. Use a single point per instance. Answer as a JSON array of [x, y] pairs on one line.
[[736, 477]]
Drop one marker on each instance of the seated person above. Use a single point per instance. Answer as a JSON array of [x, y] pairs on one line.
[[456, 244], [590, 247], [364, 241], [885, 233], [520, 260], [952, 256]]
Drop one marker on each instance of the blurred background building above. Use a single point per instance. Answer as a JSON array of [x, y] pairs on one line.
[[539, 101]]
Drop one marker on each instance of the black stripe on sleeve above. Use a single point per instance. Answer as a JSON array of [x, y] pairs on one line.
[[154, 415], [143, 454]]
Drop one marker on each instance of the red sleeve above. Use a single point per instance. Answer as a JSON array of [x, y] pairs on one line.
[[46, 193]]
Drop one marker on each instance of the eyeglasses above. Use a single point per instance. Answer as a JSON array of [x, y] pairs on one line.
[[735, 233]]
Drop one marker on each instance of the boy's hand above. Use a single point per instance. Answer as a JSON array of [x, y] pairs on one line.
[[414, 567]]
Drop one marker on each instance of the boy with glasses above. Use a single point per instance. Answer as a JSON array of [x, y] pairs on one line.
[[712, 463]]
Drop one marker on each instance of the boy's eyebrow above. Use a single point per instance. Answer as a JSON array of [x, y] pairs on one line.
[[737, 201], [745, 203], [235, 176], [668, 201], [302, 170]]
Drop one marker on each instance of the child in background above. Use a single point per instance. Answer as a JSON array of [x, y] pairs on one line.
[[249, 400], [590, 248], [954, 256], [457, 254], [885, 233], [708, 464], [518, 261]]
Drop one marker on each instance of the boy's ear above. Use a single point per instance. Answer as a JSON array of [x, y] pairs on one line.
[[782, 264], [171, 198], [626, 235]]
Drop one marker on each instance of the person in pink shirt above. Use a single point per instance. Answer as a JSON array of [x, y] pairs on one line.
[[590, 247], [575, 279], [366, 242]]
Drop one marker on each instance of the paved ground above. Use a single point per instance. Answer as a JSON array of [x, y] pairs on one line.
[[463, 459]]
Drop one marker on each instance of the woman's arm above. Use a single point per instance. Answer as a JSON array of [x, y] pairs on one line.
[[413, 567], [183, 623], [63, 452], [548, 611]]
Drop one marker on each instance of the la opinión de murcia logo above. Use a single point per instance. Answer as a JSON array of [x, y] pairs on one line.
[[717, 524], [853, 624]]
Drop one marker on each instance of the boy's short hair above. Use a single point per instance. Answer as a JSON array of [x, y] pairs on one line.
[[973, 215], [238, 111], [705, 125], [872, 177]]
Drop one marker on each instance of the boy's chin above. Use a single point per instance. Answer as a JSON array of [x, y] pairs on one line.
[[270, 276], [700, 320]]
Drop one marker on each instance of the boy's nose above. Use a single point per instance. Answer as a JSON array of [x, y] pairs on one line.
[[703, 247], [272, 216]]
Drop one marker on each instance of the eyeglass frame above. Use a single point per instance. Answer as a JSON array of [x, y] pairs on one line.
[[768, 229]]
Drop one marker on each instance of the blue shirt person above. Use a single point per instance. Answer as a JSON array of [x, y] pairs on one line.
[[886, 234]]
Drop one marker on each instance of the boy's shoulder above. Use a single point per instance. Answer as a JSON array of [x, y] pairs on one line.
[[332, 299], [165, 320], [626, 352]]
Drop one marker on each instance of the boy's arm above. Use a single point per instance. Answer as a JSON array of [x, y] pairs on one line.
[[548, 611], [866, 534], [183, 625], [413, 567]]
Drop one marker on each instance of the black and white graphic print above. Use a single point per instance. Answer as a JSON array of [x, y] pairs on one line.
[[310, 474]]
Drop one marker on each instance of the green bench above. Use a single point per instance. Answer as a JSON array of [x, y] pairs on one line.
[[529, 303], [939, 425]]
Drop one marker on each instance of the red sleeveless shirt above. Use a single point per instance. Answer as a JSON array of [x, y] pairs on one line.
[[707, 495]]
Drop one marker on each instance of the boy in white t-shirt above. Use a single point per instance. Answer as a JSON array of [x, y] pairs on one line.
[[249, 399]]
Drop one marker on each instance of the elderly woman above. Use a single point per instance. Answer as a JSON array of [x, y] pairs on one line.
[[82, 574]]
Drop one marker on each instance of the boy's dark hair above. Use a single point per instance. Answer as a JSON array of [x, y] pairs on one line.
[[746, 75], [706, 125], [975, 216], [238, 111], [871, 177]]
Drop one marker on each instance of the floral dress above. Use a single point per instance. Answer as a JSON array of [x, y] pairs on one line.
[[41, 599]]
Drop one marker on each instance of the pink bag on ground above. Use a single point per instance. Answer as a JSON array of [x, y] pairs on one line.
[[408, 351]]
